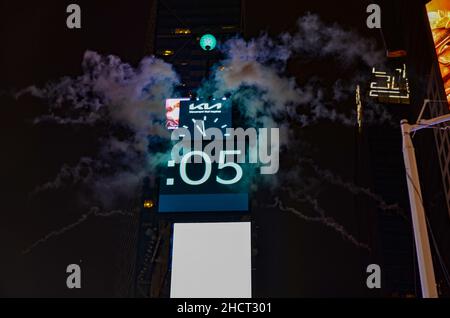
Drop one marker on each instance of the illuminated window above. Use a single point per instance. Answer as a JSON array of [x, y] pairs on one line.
[[148, 204], [228, 27], [182, 31], [167, 52]]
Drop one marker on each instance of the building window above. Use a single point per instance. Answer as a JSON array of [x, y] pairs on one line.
[[167, 52], [228, 27], [181, 31], [148, 204]]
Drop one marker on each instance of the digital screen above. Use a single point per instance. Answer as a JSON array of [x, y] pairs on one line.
[[211, 260], [439, 17], [198, 183], [173, 112], [202, 187], [199, 115]]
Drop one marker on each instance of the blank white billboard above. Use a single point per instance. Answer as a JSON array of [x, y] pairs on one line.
[[211, 260]]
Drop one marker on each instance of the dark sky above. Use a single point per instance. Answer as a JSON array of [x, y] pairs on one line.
[[296, 258], [36, 47]]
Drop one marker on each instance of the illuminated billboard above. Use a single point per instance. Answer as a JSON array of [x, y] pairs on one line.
[[173, 112], [211, 260], [199, 115], [197, 183], [184, 112], [203, 187], [439, 17]]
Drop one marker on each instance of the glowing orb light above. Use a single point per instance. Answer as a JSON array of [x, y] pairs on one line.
[[208, 42]]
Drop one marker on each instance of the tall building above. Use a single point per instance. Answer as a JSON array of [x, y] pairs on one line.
[[175, 28], [292, 257], [311, 259], [408, 42], [378, 163], [432, 145], [179, 26]]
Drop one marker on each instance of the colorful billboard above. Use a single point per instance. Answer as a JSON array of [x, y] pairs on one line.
[[193, 187], [198, 183], [439, 17], [211, 260], [199, 115], [173, 112]]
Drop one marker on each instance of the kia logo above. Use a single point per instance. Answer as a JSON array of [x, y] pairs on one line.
[[205, 106]]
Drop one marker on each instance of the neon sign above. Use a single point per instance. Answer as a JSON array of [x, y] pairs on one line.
[[390, 88]]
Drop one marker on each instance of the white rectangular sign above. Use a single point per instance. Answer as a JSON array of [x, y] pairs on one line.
[[211, 260]]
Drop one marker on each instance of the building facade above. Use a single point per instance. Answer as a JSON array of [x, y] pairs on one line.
[[175, 29]]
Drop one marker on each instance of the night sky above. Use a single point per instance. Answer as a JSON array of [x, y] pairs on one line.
[[295, 258], [37, 47]]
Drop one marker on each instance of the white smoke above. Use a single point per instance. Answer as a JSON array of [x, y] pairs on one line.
[[319, 218], [317, 39], [334, 179], [113, 94], [93, 212], [253, 72], [129, 102]]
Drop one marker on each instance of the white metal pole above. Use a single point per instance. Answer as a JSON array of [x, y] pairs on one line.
[[424, 259]]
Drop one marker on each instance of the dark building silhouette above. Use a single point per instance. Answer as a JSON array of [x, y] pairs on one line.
[[294, 258], [174, 31], [179, 26]]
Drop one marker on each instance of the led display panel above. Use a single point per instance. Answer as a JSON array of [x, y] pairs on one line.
[[197, 183], [439, 17], [211, 260], [173, 112]]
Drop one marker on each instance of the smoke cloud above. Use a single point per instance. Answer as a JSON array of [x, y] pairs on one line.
[[94, 211], [126, 101], [127, 104], [253, 72]]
